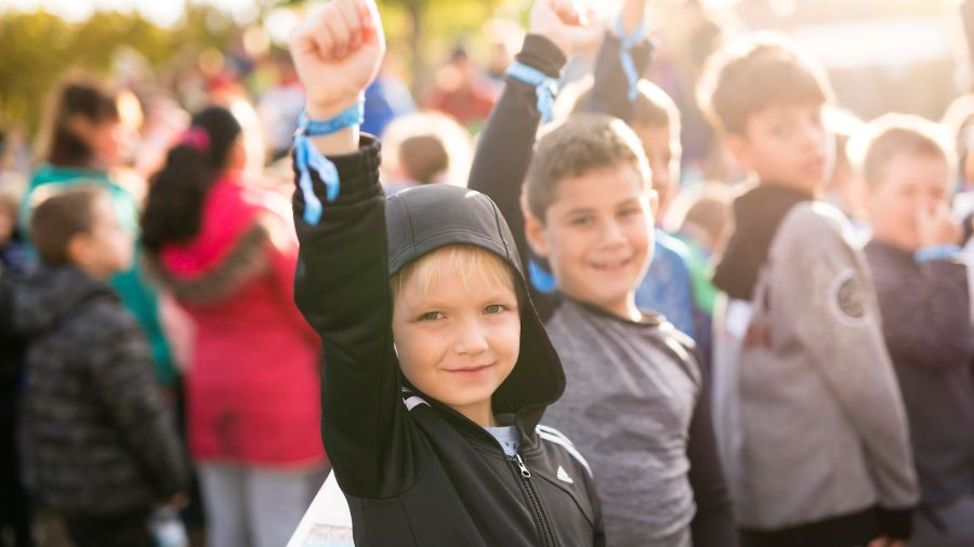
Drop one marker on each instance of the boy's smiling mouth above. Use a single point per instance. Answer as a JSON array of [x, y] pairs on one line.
[[469, 372], [611, 265]]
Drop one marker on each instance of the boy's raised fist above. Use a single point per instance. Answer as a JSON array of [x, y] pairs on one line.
[[566, 23], [337, 53]]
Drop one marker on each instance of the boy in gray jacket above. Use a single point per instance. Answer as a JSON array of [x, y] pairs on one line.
[[809, 418]]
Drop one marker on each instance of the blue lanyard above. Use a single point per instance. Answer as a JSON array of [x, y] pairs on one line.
[[628, 42], [545, 86], [307, 158]]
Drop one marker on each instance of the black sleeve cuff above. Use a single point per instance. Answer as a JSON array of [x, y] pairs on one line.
[[358, 173], [896, 523], [641, 52], [541, 53]]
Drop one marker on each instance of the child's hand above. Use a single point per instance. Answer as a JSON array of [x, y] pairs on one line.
[[566, 24], [632, 14], [337, 53], [937, 226]]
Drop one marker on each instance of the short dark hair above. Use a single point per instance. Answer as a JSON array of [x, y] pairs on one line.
[[894, 135], [61, 215], [580, 145], [756, 73], [423, 157]]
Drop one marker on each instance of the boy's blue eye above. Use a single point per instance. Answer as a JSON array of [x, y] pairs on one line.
[[494, 308], [431, 316]]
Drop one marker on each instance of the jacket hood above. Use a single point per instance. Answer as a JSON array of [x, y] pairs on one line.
[[757, 215], [422, 219], [41, 301], [228, 251]]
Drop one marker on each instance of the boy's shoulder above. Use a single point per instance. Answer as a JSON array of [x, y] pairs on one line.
[[559, 443], [66, 301], [813, 226]]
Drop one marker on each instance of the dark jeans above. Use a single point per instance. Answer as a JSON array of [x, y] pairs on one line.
[[118, 531], [15, 506]]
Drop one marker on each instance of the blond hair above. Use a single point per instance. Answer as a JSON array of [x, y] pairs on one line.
[[470, 261]]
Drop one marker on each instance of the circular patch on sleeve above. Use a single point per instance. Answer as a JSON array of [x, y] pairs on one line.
[[848, 299]]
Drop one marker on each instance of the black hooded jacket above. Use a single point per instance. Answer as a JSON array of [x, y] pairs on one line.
[[414, 471], [100, 438]]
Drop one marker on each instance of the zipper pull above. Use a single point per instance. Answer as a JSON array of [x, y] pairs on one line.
[[520, 465]]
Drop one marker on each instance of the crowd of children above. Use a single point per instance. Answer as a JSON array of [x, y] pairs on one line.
[[545, 342]]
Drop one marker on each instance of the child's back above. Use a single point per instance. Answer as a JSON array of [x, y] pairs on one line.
[[99, 437], [103, 450]]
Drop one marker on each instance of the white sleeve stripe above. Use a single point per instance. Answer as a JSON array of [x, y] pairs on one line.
[[552, 431], [567, 445], [413, 402]]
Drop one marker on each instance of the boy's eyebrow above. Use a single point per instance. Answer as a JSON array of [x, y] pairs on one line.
[[583, 209]]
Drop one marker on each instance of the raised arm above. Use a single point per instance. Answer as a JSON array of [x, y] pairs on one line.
[[505, 148], [625, 42], [342, 284]]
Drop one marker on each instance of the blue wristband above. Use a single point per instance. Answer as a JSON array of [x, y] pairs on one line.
[[545, 86], [627, 43], [351, 117], [307, 157], [936, 252]]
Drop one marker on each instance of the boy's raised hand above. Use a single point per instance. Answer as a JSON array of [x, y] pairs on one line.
[[337, 53], [937, 226], [565, 23]]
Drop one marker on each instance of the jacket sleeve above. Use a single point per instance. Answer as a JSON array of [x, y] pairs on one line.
[[342, 288], [121, 370], [824, 293], [927, 323], [713, 524], [505, 148], [610, 89]]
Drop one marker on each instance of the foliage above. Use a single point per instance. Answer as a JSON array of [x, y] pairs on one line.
[[40, 48]]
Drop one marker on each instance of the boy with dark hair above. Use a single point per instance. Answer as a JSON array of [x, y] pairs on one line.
[[436, 366], [636, 398], [103, 448], [923, 296], [667, 287], [811, 423]]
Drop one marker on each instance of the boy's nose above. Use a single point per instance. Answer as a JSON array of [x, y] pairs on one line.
[[612, 233], [471, 339]]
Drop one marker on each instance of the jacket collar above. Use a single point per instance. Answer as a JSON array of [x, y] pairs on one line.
[[757, 214]]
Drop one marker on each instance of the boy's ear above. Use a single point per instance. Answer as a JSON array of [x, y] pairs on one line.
[[79, 249], [652, 196], [740, 149], [534, 230]]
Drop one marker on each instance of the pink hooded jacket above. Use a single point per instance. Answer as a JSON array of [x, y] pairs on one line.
[[253, 382]]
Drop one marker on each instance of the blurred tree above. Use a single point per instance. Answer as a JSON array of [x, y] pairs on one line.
[[39, 48]]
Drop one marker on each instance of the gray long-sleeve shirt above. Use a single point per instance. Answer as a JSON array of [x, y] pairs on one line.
[[636, 407]]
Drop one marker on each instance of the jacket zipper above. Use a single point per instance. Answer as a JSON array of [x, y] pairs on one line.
[[535, 500]]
